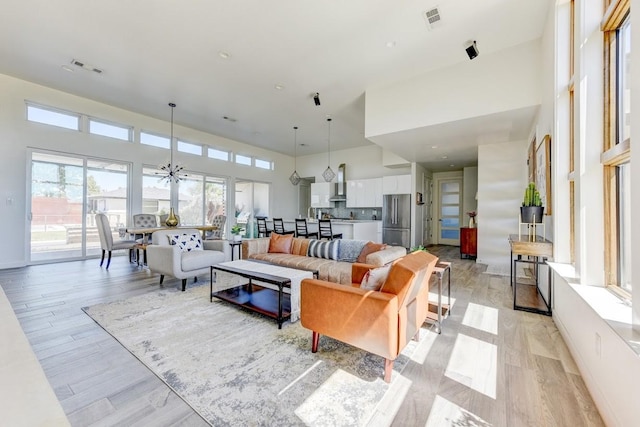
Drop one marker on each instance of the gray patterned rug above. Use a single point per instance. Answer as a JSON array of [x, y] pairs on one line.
[[236, 368]]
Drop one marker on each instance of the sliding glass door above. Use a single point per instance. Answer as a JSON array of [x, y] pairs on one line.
[[66, 193], [252, 200]]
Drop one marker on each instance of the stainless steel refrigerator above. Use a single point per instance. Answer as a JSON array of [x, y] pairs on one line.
[[396, 219]]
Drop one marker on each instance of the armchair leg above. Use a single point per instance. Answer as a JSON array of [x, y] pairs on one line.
[[388, 368], [108, 260], [161, 278], [184, 284], [102, 260], [314, 342]]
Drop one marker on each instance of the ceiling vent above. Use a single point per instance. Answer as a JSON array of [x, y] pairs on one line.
[[432, 18], [86, 66]]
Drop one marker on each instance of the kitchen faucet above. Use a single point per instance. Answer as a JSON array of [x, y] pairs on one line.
[[309, 210]]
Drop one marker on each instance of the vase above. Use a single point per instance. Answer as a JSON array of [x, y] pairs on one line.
[[237, 238], [472, 222], [171, 221]]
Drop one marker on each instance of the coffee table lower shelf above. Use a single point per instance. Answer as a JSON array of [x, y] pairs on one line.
[[258, 299]]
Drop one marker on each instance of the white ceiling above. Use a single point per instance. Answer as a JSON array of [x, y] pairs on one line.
[[153, 52]]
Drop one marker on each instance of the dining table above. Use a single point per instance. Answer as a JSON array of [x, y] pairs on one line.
[[150, 230]]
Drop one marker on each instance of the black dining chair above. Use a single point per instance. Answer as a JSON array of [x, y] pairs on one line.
[[326, 232], [278, 227], [263, 231], [302, 230]]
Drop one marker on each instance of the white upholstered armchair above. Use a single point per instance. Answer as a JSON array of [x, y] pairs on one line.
[[182, 253]]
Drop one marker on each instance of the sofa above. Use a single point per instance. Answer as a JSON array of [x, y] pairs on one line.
[[379, 319], [332, 259]]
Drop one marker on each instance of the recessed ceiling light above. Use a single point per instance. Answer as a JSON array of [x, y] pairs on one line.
[[434, 146], [445, 157], [67, 68], [279, 86], [452, 165], [224, 55], [391, 44]]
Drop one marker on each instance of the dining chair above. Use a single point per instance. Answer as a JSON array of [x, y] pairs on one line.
[[278, 227], [144, 221], [217, 221], [302, 230], [263, 231], [325, 230], [106, 239]]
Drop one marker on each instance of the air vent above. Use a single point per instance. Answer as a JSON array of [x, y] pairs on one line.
[[432, 18], [86, 66]]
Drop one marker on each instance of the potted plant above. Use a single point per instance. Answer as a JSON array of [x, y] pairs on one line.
[[236, 230], [531, 210]]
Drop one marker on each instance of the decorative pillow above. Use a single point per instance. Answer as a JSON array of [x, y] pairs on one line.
[[348, 250], [321, 249], [370, 248], [375, 278], [186, 242], [280, 243]]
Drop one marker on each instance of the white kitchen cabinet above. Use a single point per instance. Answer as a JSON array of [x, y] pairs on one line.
[[321, 192], [396, 184], [364, 193]]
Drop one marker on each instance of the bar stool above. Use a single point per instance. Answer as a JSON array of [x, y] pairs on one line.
[[302, 230], [262, 226], [326, 232], [278, 227]]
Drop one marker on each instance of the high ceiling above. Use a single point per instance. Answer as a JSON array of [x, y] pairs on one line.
[[152, 52]]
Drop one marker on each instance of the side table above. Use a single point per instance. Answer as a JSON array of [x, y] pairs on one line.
[[540, 249], [235, 244], [440, 269]]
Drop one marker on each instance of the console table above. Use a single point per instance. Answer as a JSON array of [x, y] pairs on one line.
[[540, 249]]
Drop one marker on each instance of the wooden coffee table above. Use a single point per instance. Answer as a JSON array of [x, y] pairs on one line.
[[272, 301]]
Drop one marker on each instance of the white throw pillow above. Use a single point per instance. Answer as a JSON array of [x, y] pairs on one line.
[[186, 242], [375, 278]]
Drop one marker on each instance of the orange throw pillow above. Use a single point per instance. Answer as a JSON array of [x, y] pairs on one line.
[[370, 248], [280, 243]]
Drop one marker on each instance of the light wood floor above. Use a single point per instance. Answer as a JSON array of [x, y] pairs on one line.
[[491, 366]]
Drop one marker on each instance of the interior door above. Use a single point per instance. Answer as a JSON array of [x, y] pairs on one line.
[[427, 237], [449, 206]]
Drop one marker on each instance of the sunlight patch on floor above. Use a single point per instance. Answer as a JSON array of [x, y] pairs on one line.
[[446, 413], [292, 383], [481, 317], [473, 363]]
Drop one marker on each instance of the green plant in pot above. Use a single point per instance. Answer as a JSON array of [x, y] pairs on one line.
[[531, 209], [236, 230]]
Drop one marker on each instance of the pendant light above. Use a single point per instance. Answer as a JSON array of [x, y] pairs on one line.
[[328, 174], [295, 178], [171, 172]]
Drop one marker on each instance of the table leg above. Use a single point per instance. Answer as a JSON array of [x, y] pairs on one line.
[[280, 291]]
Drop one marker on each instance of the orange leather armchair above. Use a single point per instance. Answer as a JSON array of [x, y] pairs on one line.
[[381, 322]]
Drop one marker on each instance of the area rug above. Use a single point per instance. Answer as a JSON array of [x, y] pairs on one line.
[[235, 367]]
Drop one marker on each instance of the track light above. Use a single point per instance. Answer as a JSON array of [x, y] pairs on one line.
[[316, 99]]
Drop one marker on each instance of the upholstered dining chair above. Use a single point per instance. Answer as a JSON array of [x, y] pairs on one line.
[[217, 221], [302, 230], [325, 231], [278, 227], [144, 221], [263, 231], [106, 239]]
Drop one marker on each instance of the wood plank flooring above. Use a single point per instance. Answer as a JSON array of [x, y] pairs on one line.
[[523, 375]]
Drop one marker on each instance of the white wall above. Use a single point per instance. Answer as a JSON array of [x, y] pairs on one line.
[[17, 135], [502, 177], [501, 81]]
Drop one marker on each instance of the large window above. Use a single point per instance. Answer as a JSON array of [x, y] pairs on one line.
[[156, 195], [617, 146], [201, 198]]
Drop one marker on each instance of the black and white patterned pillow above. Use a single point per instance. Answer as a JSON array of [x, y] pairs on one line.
[[320, 249], [186, 242], [348, 249]]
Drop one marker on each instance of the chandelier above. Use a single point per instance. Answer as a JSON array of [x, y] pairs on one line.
[[171, 172], [295, 178], [328, 174]]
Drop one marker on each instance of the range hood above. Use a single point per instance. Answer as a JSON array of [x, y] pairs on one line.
[[340, 194]]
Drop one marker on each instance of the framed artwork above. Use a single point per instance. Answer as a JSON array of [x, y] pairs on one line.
[[543, 173], [531, 161]]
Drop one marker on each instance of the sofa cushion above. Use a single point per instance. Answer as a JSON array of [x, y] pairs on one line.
[[186, 242], [280, 243], [370, 248], [348, 250], [375, 278], [320, 249]]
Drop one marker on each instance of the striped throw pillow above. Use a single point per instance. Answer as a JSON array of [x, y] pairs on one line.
[[323, 249]]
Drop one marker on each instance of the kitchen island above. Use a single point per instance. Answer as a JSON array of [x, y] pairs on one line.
[[350, 228]]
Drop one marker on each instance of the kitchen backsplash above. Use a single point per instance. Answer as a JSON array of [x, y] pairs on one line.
[[344, 212]]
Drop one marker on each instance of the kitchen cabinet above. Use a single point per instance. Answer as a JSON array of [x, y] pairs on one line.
[[321, 192], [396, 184], [469, 242], [364, 193]]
